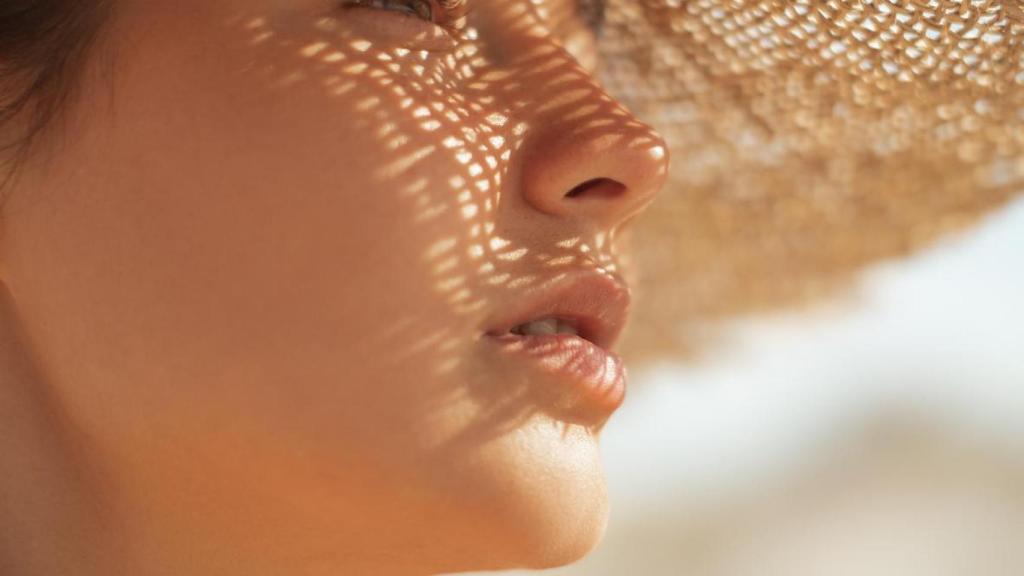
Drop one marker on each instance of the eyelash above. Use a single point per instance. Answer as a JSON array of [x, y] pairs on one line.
[[593, 13], [448, 14]]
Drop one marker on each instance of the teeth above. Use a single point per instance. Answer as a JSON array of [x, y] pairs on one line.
[[544, 327], [565, 328], [539, 327]]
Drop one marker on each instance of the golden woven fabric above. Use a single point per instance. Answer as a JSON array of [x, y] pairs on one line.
[[809, 138]]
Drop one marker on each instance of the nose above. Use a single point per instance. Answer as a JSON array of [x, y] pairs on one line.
[[587, 157]]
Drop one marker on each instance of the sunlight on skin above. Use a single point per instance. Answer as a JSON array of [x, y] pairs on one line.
[[315, 286], [389, 68], [494, 145]]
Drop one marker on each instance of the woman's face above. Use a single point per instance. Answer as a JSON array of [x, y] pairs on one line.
[[265, 262]]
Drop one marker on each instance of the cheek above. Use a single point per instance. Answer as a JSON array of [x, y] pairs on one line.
[[299, 245], [265, 237]]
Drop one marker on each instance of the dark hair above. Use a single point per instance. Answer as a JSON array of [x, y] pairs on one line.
[[41, 45]]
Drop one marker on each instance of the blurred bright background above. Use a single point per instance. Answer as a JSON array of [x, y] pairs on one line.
[[880, 433]]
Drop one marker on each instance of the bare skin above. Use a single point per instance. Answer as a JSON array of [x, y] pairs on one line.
[[245, 293]]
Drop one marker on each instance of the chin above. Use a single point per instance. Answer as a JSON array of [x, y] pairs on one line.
[[539, 499], [569, 539]]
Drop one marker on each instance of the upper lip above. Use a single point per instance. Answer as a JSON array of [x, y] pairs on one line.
[[598, 303]]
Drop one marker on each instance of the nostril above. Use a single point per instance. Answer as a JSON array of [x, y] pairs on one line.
[[598, 188]]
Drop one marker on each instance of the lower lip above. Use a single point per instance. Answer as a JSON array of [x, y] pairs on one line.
[[594, 379]]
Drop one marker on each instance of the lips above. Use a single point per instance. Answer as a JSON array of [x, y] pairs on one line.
[[565, 329], [596, 304]]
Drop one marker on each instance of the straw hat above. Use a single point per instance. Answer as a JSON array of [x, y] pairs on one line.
[[810, 137]]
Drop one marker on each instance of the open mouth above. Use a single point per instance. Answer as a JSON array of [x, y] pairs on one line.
[[590, 305], [547, 326], [565, 329]]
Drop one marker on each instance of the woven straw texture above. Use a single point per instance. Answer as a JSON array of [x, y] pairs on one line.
[[810, 138]]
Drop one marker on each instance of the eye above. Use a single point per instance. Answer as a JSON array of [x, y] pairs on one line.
[[593, 13], [451, 15], [423, 9]]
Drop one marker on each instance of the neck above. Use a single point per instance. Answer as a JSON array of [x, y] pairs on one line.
[[50, 520], [60, 515], [66, 509]]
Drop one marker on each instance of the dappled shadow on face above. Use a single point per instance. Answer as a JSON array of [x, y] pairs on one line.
[[451, 133]]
